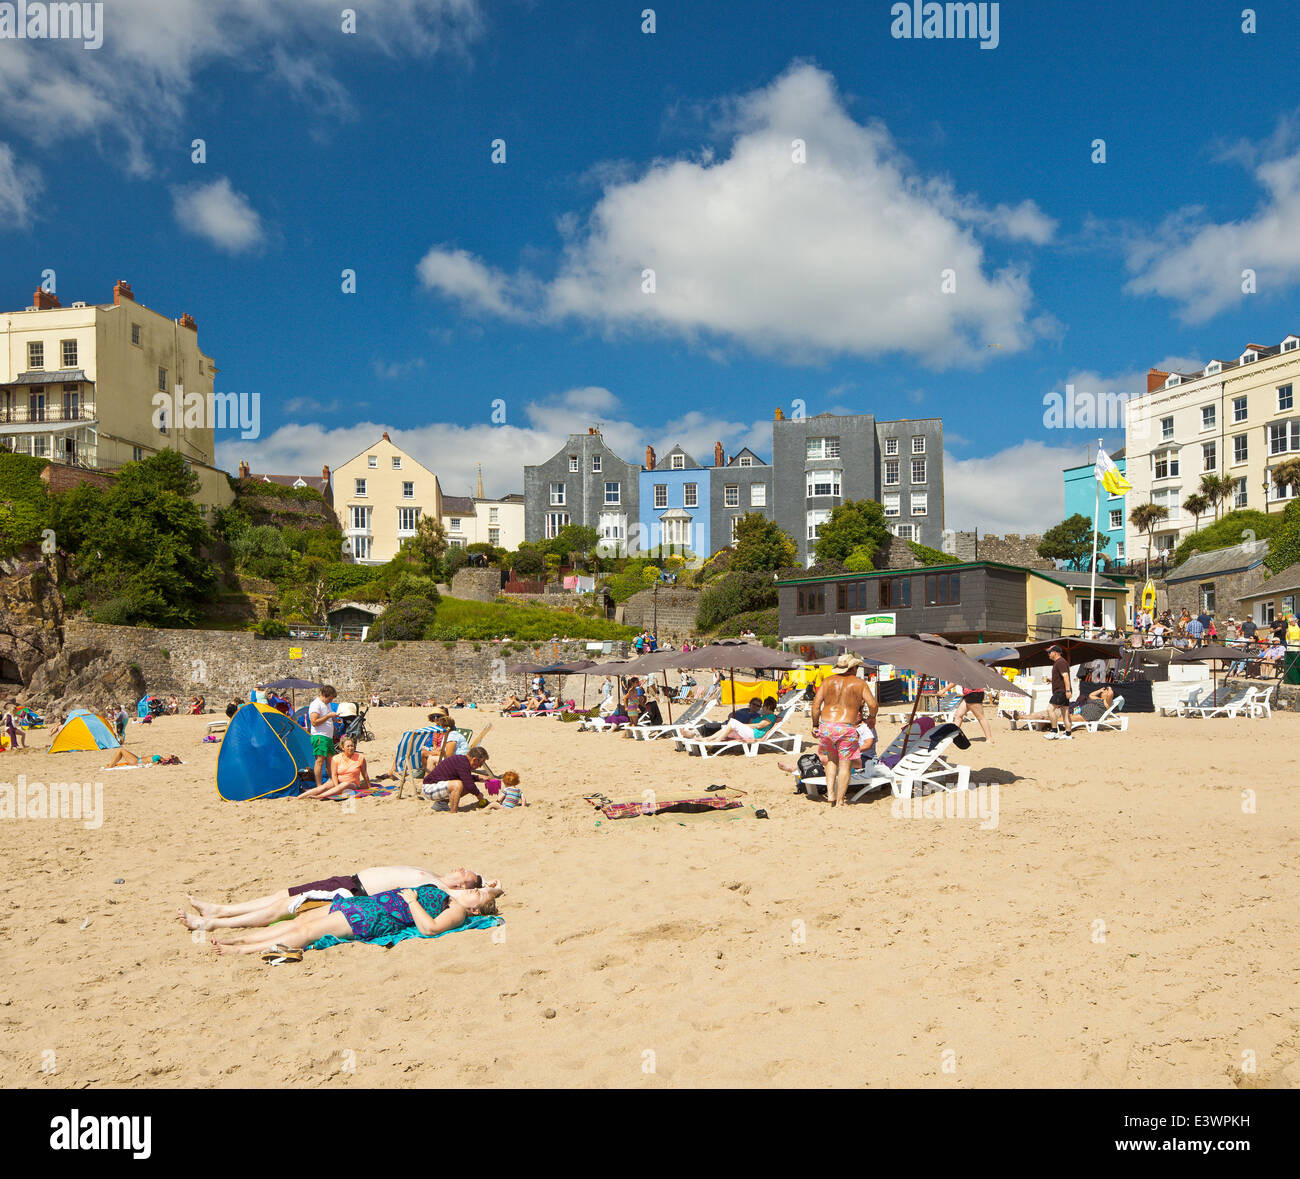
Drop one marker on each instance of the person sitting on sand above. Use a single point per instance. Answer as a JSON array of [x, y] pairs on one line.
[[9, 726], [347, 771], [454, 777], [285, 902], [504, 792], [459, 702], [429, 909]]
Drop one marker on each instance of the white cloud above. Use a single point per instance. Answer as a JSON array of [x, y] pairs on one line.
[[155, 51], [843, 254], [1019, 489], [216, 212], [396, 370], [1200, 263], [20, 184]]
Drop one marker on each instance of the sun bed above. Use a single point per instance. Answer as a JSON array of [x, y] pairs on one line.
[[1110, 721], [775, 740], [1226, 703], [923, 766], [688, 718]]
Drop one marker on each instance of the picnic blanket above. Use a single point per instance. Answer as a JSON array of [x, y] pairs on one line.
[[375, 790], [391, 939], [625, 810]]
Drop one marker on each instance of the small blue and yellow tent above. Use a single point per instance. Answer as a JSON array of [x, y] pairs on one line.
[[261, 755], [83, 730]]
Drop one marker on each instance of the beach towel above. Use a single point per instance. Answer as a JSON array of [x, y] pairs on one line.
[[391, 939], [375, 791], [689, 806]]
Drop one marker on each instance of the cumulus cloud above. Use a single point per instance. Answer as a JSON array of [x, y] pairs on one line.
[[1199, 263], [20, 184], [217, 213], [1019, 489], [845, 253], [155, 51]]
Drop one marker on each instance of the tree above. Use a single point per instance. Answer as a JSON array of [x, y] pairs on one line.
[[1146, 518], [407, 620], [429, 544], [1216, 489], [1287, 474], [761, 545], [573, 540], [854, 524], [528, 561], [1071, 541], [263, 552], [1284, 547], [1197, 505]]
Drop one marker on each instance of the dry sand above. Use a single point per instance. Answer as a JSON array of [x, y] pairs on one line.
[[1126, 923]]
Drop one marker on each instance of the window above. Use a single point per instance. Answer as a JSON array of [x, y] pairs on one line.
[[1164, 464], [360, 487], [823, 483], [823, 448], [918, 443], [690, 495], [1119, 550], [35, 354], [918, 470], [397, 462], [557, 495], [810, 599], [851, 595], [613, 493], [678, 462], [731, 495], [40, 446], [1283, 436], [942, 589], [611, 526], [1169, 497], [745, 461], [1166, 429], [1209, 456], [408, 519], [494, 515], [920, 503], [71, 405], [815, 522], [735, 527], [891, 472], [137, 454], [1238, 409], [1290, 345], [595, 464], [1248, 357], [1209, 416], [494, 537], [895, 593], [758, 495], [661, 495], [408, 490], [573, 462], [361, 548], [554, 522], [1284, 398], [1239, 448], [360, 519], [455, 542], [162, 379], [904, 531], [1274, 494], [1207, 597], [135, 334], [891, 503], [1116, 521], [453, 524], [891, 445], [372, 461], [69, 351]]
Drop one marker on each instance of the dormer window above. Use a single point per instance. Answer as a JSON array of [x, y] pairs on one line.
[[1291, 343], [678, 462], [1247, 357], [1174, 379], [1211, 369], [745, 461]]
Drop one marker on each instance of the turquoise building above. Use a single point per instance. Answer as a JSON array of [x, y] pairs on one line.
[[1081, 497]]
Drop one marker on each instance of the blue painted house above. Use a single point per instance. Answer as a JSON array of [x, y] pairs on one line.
[[675, 502], [1080, 497]]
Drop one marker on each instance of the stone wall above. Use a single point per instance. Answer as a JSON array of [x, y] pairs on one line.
[[1011, 549], [60, 477], [476, 585], [676, 615], [1228, 588], [221, 665]]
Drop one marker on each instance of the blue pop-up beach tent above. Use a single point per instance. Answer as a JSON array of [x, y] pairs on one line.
[[261, 755]]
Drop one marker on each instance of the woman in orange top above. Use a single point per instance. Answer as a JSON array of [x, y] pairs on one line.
[[347, 771]]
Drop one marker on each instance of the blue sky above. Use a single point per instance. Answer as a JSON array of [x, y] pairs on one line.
[[775, 280]]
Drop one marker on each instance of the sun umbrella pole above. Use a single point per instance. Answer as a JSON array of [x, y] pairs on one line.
[[916, 700], [668, 704]]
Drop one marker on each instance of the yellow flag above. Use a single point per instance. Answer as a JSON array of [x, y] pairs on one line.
[[1108, 475]]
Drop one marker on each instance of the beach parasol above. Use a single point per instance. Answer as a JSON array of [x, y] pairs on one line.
[[729, 655], [289, 685], [1075, 650]]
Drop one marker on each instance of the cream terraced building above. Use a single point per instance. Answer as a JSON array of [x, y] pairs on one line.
[[78, 383], [1236, 417], [478, 520], [380, 497]]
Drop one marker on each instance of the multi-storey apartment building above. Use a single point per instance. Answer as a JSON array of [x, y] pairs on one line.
[[80, 384], [380, 496], [1236, 418], [583, 483]]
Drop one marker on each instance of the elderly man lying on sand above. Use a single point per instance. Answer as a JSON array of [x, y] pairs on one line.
[[429, 909], [367, 882]]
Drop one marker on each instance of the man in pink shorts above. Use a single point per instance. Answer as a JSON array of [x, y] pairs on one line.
[[837, 710]]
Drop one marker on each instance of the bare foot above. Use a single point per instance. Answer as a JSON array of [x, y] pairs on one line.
[[190, 921], [207, 908]]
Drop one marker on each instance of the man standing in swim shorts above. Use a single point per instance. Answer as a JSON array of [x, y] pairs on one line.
[[838, 709]]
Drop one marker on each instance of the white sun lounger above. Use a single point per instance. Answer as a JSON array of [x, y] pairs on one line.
[[775, 740], [695, 712], [924, 766]]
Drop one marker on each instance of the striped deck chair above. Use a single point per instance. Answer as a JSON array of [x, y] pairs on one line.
[[411, 747]]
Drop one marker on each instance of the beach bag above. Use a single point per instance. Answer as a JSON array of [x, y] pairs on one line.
[[810, 766]]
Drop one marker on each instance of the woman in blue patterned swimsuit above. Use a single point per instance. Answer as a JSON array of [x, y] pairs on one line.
[[428, 908]]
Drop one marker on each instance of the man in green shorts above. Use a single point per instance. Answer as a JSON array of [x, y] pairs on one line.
[[321, 720]]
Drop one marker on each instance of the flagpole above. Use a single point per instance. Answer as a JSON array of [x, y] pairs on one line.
[[1096, 512]]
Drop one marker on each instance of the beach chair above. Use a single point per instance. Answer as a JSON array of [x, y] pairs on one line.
[[775, 740], [1109, 721], [923, 769], [1226, 703], [1259, 701], [694, 713]]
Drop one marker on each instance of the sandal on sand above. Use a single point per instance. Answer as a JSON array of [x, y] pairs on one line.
[[279, 954]]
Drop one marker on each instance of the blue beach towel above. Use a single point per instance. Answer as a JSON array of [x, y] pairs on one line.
[[391, 939]]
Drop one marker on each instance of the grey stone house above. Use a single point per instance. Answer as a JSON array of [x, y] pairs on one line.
[[583, 483], [1219, 582], [743, 484]]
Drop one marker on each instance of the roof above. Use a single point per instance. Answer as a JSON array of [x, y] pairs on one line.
[[514, 497], [664, 465], [1286, 582], [746, 453], [1077, 578], [320, 484], [1056, 575], [50, 378], [461, 505], [366, 607], [1236, 558], [378, 442]]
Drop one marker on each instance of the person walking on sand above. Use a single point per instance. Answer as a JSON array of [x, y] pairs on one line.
[[972, 701], [841, 704], [1058, 705]]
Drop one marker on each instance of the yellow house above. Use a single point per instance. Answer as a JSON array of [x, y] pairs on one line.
[[80, 385], [1056, 602], [380, 497]]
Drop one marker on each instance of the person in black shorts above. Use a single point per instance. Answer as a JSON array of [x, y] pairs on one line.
[[1058, 705], [972, 701]]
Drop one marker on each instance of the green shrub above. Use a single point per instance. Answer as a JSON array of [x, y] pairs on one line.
[[409, 619], [736, 593], [764, 623], [272, 628], [1234, 528]]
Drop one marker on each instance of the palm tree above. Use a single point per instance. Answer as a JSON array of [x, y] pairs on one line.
[[1286, 474], [1216, 489], [1197, 505], [1145, 518]]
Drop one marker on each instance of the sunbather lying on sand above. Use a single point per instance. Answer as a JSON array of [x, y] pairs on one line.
[[428, 908], [367, 882]]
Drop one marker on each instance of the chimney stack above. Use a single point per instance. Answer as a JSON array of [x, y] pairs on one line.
[[779, 415], [719, 455], [1156, 380], [43, 300], [122, 290], [187, 321], [243, 469], [325, 474], [386, 437], [649, 458]]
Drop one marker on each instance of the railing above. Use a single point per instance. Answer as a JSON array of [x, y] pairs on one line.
[[26, 415]]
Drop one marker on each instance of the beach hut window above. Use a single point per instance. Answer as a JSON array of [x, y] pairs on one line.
[[1238, 409], [891, 472], [661, 495]]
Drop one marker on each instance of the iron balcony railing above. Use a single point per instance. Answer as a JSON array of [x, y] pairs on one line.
[[27, 415]]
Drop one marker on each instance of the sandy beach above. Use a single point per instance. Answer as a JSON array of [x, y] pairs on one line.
[[1129, 921]]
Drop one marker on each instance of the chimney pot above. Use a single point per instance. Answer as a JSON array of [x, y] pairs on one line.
[[43, 300], [325, 474], [719, 455], [122, 290], [1155, 379], [386, 437], [187, 321]]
